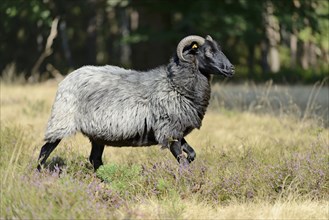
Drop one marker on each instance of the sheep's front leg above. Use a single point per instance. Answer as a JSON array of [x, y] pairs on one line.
[[176, 150], [188, 150]]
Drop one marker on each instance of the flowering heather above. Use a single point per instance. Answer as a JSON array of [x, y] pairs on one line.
[[266, 164]]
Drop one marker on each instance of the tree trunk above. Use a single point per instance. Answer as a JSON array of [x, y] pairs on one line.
[[312, 55], [274, 59], [293, 50], [125, 50], [154, 51], [273, 36], [304, 57], [113, 36], [264, 52], [65, 43], [91, 38], [251, 59]]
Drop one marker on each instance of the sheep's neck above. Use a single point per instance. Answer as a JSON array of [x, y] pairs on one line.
[[190, 83]]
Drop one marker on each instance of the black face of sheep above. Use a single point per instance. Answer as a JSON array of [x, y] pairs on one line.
[[207, 54], [119, 107], [213, 61]]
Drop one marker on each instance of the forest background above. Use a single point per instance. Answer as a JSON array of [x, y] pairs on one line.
[[286, 41]]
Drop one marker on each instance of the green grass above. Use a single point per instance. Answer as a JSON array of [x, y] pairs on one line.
[[266, 164]]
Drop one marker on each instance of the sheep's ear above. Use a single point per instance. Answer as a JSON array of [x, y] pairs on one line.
[[209, 38]]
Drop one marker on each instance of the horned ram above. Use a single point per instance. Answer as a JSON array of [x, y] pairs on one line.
[[119, 107]]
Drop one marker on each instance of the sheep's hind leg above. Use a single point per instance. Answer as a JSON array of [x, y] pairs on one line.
[[188, 150], [176, 150], [46, 150], [96, 153]]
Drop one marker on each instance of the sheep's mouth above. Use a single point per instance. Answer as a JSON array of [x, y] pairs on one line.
[[227, 72]]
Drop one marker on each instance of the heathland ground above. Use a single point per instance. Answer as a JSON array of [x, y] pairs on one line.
[[262, 153]]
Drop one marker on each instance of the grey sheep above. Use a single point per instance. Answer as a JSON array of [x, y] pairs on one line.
[[119, 107]]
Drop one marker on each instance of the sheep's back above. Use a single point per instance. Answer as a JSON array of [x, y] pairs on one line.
[[113, 103]]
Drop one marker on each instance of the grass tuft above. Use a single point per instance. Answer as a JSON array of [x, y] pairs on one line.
[[267, 161]]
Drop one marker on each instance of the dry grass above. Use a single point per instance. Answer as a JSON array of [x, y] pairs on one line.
[[254, 161], [254, 210]]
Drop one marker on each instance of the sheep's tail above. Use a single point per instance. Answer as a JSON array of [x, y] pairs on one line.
[[62, 120]]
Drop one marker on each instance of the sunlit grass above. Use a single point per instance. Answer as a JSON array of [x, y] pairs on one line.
[[252, 163]]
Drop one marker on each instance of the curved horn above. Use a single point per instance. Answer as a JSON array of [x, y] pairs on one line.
[[187, 41]]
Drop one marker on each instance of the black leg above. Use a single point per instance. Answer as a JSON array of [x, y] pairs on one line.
[[188, 150], [176, 150], [96, 154], [46, 150]]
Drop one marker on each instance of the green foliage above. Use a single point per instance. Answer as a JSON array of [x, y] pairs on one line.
[[124, 179], [125, 32]]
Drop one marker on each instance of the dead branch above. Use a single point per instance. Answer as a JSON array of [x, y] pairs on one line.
[[47, 51]]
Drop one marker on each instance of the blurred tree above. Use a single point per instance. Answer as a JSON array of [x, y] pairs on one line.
[[24, 26], [306, 22], [258, 36]]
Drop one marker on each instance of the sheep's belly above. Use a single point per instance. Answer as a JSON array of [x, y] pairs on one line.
[[129, 143], [144, 140]]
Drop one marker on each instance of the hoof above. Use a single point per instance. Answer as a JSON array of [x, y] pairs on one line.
[[39, 167], [190, 157]]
